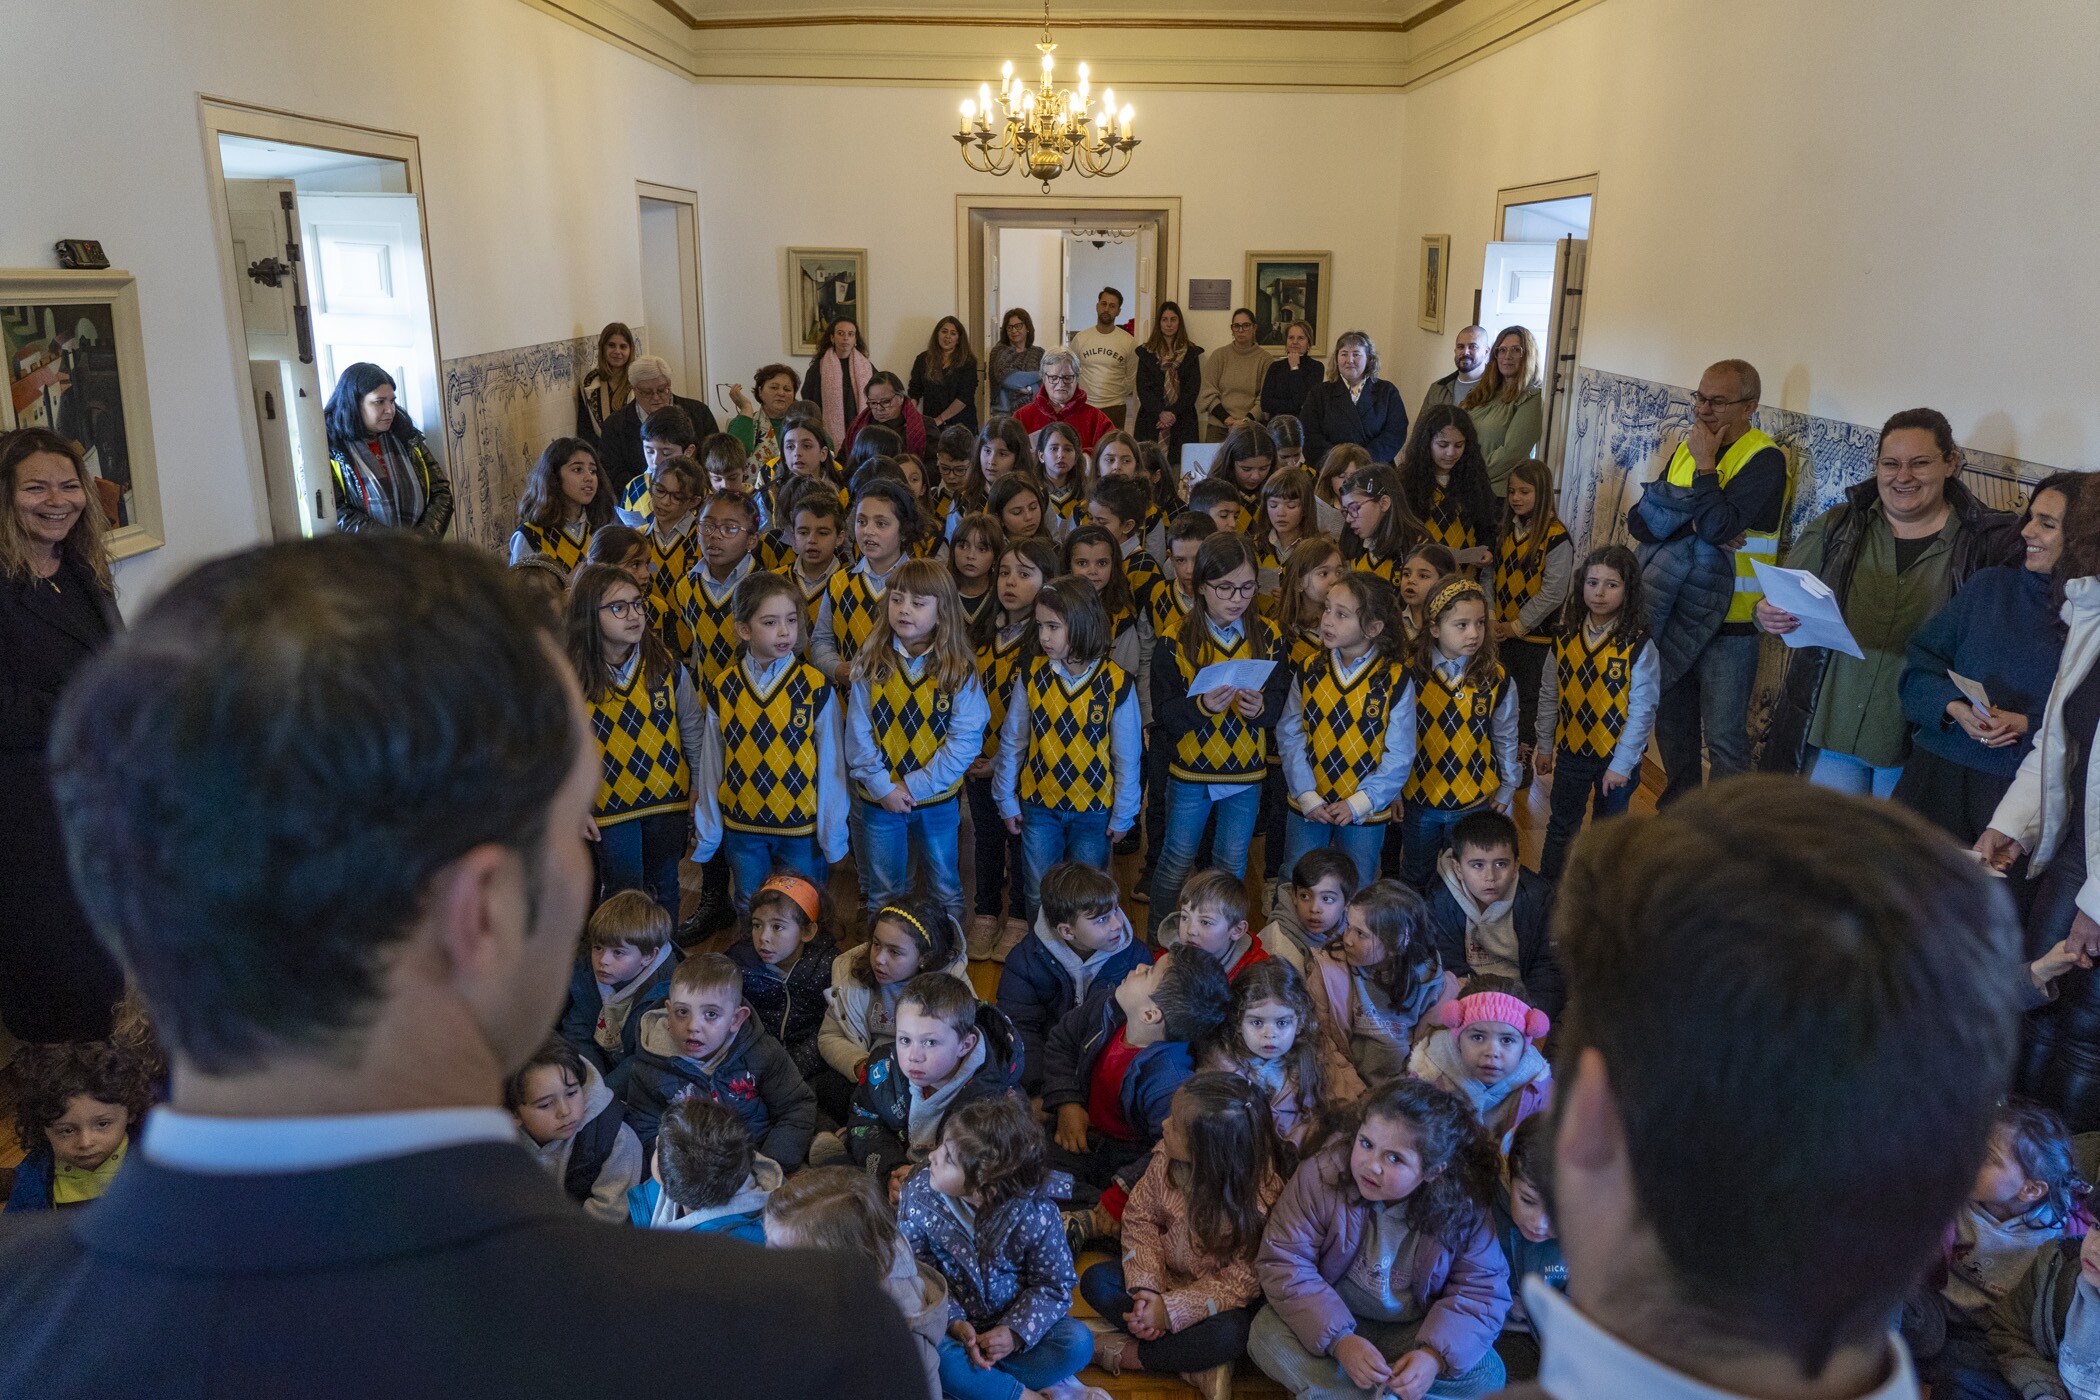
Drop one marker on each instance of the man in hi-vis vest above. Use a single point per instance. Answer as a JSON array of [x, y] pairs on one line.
[[1715, 509]]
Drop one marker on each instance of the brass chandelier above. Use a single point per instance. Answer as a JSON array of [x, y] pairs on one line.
[[1044, 131]]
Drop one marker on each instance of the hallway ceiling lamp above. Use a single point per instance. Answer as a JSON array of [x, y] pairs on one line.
[[1045, 130]]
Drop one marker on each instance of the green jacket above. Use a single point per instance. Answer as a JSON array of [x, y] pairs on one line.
[[2027, 1327], [1509, 433]]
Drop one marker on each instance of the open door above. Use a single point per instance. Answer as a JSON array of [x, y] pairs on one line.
[[1516, 288], [1563, 338], [365, 278], [283, 376]]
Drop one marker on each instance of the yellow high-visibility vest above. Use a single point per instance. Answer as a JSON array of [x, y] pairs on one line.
[[1757, 544]]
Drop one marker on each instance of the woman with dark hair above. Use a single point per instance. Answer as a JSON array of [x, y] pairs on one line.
[[944, 378], [758, 425], [58, 607], [1291, 375], [604, 390], [1446, 481], [1169, 377], [837, 382], [1015, 366], [1354, 405], [386, 476], [1507, 404]]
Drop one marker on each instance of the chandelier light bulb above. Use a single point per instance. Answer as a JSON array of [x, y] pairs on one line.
[[969, 110], [984, 100], [1125, 122], [1006, 73], [1108, 100], [1082, 72], [1048, 61]]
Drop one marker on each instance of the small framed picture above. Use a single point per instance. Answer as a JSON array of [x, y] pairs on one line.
[[825, 284], [76, 364], [1436, 262], [1291, 286]]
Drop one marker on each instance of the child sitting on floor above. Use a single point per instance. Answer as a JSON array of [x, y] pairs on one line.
[[1213, 917], [623, 973], [1524, 1226], [950, 1049], [1082, 940], [978, 1212], [704, 1043], [706, 1177], [1372, 986], [575, 1128], [2043, 1332], [75, 1109], [1484, 1048], [786, 960], [1311, 907], [1491, 915], [1271, 1038], [904, 940]]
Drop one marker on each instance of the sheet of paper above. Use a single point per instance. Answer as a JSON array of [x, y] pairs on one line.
[[1248, 675], [1975, 693], [1196, 459], [1807, 597]]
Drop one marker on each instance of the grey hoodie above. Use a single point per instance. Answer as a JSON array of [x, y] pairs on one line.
[[1285, 938], [1491, 933], [764, 1180], [1082, 971], [927, 1109], [622, 1169], [921, 1294]]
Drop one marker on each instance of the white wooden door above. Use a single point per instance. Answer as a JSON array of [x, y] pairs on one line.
[[1147, 278], [364, 261], [255, 212], [1516, 288], [285, 388]]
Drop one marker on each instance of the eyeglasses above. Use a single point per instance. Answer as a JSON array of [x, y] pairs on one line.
[[1243, 325], [1228, 592], [879, 404], [1061, 378], [1700, 400], [728, 529], [625, 608], [666, 497]]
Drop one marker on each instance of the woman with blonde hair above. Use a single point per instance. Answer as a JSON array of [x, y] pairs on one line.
[[604, 390], [1507, 407]]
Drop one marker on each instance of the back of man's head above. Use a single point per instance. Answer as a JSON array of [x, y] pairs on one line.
[[1804, 1005], [260, 779]]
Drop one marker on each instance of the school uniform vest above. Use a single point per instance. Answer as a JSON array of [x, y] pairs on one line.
[[1069, 508], [1304, 647], [775, 554], [1068, 766], [1446, 525], [1454, 743], [642, 768], [710, 622], [668, 564], [558, 544], [769, 749], [1225, 748], [1757, 544], [1369, 563], [1345, 723], [1167, 611], [855, 604], [1595, 689], [996, 664], [1144, 576], [1520, 571], [909, 719], [590, 1149], [812, 597]]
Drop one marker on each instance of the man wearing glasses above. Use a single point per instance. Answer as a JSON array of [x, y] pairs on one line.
[[1716, 508], [1232, 377], [1061, 400]]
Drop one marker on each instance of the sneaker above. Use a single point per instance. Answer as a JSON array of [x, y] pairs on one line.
[[1212, 1383], [1110, 1342], [983, 936], [1078, 1225], [1141, 890], [1010, 937], [1130, 845]]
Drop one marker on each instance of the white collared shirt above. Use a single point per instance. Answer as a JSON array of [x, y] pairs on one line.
[[193, 1142], [1582, 1361]]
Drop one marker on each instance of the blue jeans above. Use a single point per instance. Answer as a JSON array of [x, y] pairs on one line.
[[1189, 805], [1841, 772], [642, 853], [1048, 837], [752, 858], [1277, 1350], [1061, 1354], [1424, 832], [1363, 844], [1714, 696], [884, 843]]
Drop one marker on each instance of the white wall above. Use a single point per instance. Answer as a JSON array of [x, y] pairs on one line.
[[532, 136], [663, 296], [1880, 206], [1031, 276], [1092, 270]]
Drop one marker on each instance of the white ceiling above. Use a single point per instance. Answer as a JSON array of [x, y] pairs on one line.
[[1207, 13]]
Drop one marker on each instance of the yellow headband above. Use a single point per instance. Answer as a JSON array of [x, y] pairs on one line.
[[1450, 592], [889, 911]]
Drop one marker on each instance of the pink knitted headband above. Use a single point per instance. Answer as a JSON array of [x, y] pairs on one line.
[[1531, 1023]]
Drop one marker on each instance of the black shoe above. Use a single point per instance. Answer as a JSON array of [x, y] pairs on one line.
[[1141, 892], [1130, 845]]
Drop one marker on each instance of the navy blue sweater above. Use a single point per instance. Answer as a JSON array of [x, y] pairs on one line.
[[2000, 631]]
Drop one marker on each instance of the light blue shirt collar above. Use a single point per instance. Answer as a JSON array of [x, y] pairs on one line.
[[912, 664], [252, 1146], [1073, 677], [1230, 634], [1347, 671], [878, 581], [623, 674], [764, 676], [1449, 667], [736, 576]]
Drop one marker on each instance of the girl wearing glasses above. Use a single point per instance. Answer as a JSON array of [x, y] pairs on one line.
[[642, 702], [704, 601]]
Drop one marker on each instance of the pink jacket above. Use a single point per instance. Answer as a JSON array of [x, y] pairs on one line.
[[1328, 981], [1318, 1225], [1159, 1254]]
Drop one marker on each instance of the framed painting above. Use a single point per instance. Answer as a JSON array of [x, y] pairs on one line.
[[823, 285], [1290, 286], [1436, 265], [76, 364]]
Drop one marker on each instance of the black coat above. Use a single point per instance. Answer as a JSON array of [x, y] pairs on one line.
[[464, 1271], [1538, 966], [1283, 389], [620, 451], [1377, 421], [1153, 401], [56, 982], [934, 392]]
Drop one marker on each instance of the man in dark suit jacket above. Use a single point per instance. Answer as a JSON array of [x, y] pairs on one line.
[[328, 800], [620, 451]]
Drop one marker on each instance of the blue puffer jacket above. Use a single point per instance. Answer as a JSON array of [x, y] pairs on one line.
[[1148, 1086], [1690, 583], [579, 1019], [1037, 989], [32, 1189], [754, 1077]]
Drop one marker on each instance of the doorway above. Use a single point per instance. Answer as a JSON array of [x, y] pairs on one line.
[[671, 324], [1532, 275], [324, 258]]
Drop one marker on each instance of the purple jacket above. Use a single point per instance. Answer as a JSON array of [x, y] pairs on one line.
[[1314, 1233]]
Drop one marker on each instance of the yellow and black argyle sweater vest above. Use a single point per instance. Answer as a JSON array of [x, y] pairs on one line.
[[558, 544], [1305, 646], [1167, 611], [1345, 723], [1144, 576], [1225, 748], [708, 618], [1454, 744], [1446, 526], [769, 748], [775, 554], [812, 598], [1070, 508], [1369, 563], [1069, 766], [669, 563], [1595, 687], [996, 664], [642, 768], [854, 606], [909, 719], [1520, 571]]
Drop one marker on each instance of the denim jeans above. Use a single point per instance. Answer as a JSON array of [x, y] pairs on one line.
[[1217, 1340], [1841, 772], [1048, 837], [1189, 806], [753, 857], [885, 843], [1576, 777], [1061, 1354], [1714, 696], [642, 853], [1424, 832], [1363, 843], [1277, 1350]]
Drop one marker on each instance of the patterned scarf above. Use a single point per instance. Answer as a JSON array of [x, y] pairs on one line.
[[840, 405]]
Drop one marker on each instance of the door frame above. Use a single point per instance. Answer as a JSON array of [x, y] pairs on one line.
[[219, 116], [1569, 188], [689, 244]]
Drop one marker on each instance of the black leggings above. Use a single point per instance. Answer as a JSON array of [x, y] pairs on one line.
[[998, 853], [1218, 1340]]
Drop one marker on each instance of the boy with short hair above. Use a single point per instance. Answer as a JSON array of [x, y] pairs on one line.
[[1171, 602], [704, 601], [622, 974], [573, 1126], [1524, 1228], [666, 433], [1312, 907], [703, 1043], [1492, 915], [1082, 940], [954, 458], [950, 1049], [1220, 500], [1213, 917], [706, 1177], [817, 523]]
